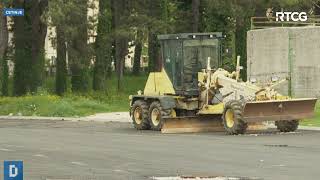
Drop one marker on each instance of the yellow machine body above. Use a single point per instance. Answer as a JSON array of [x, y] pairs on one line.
[[158, 83], [209, 99], [208, 116]]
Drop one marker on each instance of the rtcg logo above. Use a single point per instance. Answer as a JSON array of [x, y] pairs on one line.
[[291, 16]]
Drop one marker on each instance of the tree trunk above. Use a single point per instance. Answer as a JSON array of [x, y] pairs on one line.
[[154, 63], [155, 12], [240, 44], [29, 38], [121, 51], [196, 14], [61, 65], [5, 78], [78, 51], [164, 5], [3, 54], [39, 32], [137, 59], [3, 35], [121, 43], [103, 46], [22, 55], [137, 54]]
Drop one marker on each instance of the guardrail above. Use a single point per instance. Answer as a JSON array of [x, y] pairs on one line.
[[270, 22]]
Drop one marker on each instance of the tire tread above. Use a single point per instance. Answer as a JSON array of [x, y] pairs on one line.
[[145, 116]]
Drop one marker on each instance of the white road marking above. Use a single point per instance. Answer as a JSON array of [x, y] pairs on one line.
[[4, 149], [79, 163], [40, 155], [117, 170]]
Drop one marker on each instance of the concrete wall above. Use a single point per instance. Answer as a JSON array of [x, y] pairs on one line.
[[286, 53], [267, 56], [306, 61]]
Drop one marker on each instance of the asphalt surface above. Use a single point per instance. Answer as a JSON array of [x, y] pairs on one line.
[[61, 150]]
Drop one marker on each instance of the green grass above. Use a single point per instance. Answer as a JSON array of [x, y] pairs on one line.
[[314, 121], [44, 103]]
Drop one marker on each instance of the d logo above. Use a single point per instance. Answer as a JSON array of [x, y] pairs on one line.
[[13, 170]]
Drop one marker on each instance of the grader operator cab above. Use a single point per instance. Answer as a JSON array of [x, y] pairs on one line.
[[192, 93]]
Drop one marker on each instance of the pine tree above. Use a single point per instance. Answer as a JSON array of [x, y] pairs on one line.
[[158, 12], [79, 49], [29, 38], [22, 44], [61, 64], [3, 52], [120, 10], [196, 15], [137, 53], [103, 46], [243, 12]]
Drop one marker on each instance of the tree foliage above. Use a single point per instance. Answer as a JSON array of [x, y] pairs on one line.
[[122, 24], [71, 17], [29, 37]]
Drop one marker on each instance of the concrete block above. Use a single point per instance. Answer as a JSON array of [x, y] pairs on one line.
[[286, 52]]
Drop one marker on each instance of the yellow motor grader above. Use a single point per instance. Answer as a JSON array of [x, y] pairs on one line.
[[192, 94]]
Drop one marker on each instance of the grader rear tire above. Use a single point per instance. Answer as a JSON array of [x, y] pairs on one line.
[[156, 114], [287, 126], [232, 118], [140, 115]]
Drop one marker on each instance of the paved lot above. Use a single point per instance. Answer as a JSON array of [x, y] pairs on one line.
[[96, 150]]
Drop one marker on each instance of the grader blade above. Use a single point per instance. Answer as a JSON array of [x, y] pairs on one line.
[[276, 110], [190, 124], [194, 124]]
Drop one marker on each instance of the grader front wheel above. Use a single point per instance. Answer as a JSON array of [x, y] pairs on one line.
[[232, 118]]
